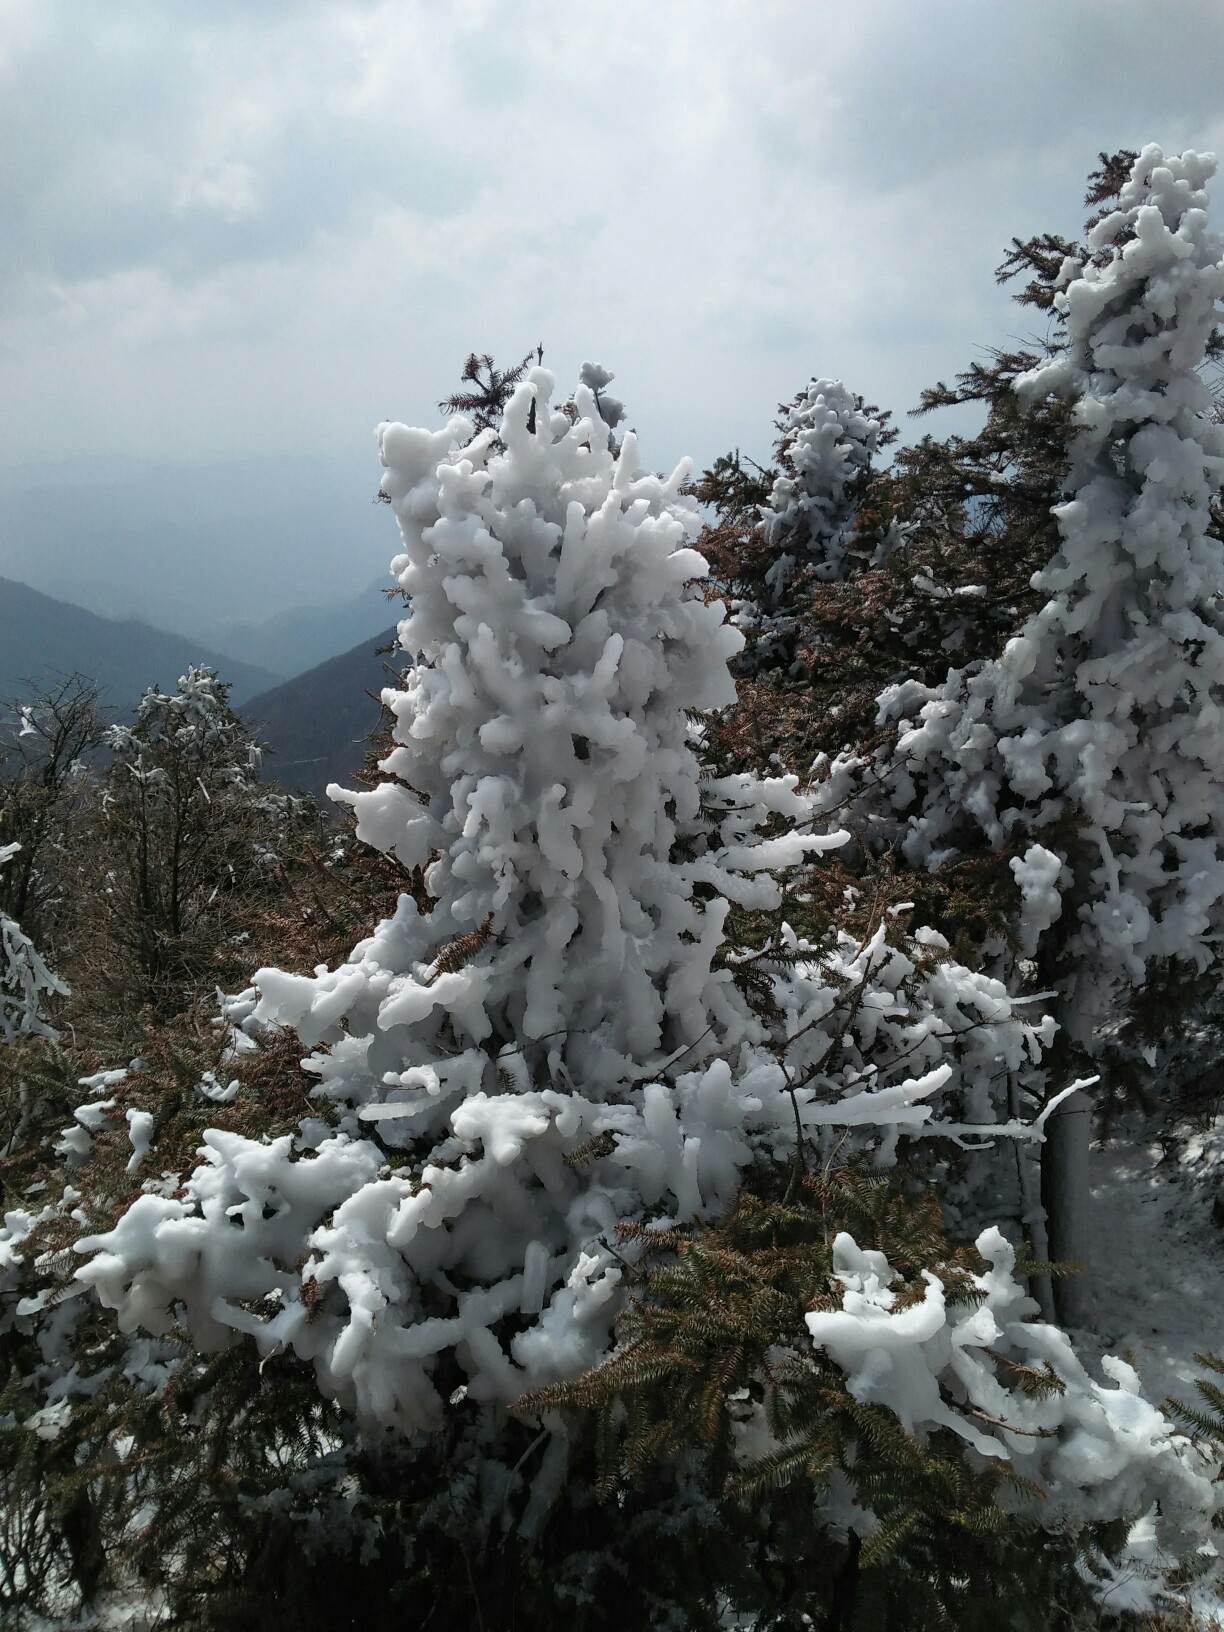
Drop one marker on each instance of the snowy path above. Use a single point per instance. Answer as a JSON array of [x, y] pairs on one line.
[[1159, 1264]]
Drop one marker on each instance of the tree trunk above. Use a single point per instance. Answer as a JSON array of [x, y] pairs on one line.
[[1064, 1194], [1032, 1213]]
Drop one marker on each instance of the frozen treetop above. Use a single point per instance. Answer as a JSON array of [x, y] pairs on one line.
[[829, 442], [544, 770], [195, 722], [25, 980], [1108, 708]]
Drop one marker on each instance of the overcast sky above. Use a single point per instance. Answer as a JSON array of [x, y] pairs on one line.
[[256, 227]]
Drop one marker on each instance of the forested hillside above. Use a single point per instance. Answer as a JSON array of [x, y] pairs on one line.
[[635, 1171], [317, 724]]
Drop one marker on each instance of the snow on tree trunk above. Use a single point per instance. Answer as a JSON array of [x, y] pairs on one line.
[[1107, 711], [25, 980]]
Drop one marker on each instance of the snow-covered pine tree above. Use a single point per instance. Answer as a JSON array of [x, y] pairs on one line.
[[828, 437], [25, 980], [544, 777], [789, 546], [569, 989], [1089, 754], [184, 831], [796, 524]]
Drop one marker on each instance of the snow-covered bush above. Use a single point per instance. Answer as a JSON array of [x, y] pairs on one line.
[[25, 980]]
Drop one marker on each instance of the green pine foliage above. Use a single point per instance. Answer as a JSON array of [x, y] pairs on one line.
[[712, 1356], [1205, 1421]]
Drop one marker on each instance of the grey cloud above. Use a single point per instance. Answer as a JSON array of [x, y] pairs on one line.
[[103, 125], [713, 199], [949, 83]]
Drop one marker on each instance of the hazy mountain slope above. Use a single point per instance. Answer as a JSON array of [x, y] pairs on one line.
[[316, 724], [43, 640], [301, 638]]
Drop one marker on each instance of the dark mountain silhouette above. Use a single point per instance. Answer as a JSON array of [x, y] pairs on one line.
[[43, 640], [317, 723]]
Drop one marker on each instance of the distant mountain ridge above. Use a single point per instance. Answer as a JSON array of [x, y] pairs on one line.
[[196, 547], [317, 723], [43, 640], [302, 637]]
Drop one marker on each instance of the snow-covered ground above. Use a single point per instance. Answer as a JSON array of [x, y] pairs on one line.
[[1158, 1275], [1159, 1255]]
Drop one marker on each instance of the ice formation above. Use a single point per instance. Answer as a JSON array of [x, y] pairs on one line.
[[1106, 710], [25, 980], [829, 440]]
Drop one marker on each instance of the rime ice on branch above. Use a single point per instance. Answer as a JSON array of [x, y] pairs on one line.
[[25, 980]]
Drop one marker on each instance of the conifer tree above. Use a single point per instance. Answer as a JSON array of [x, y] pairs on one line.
[[789, 538], [1088, 754], [183, 830], [579, 873], [571, 979], [810, 529], [25, 980]]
